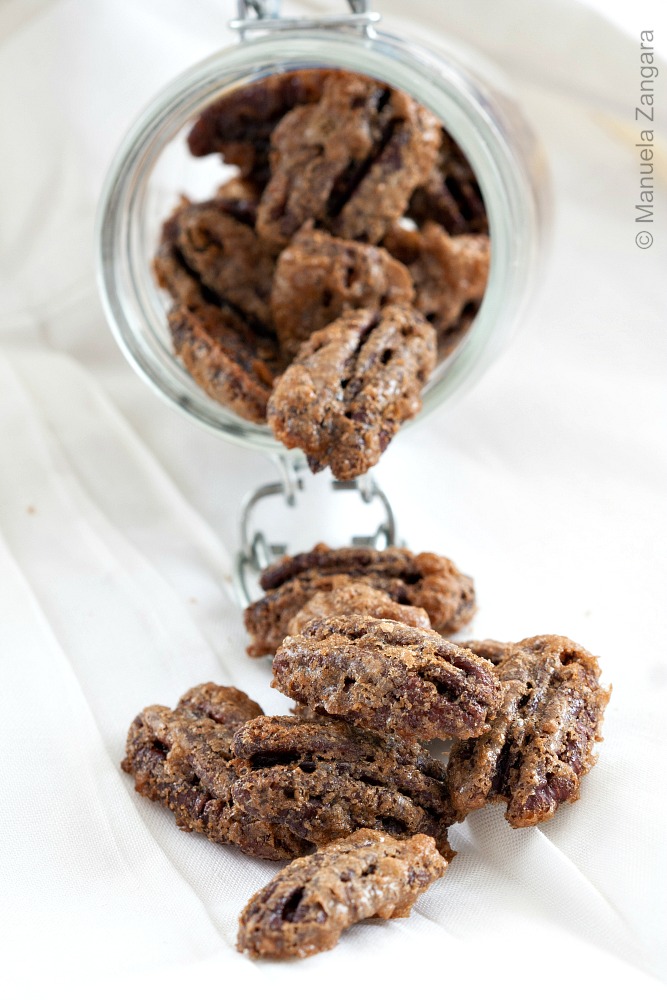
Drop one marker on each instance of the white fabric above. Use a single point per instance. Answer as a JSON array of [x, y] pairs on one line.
[[118, 528]]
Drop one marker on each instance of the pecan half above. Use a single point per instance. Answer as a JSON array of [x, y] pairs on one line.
[[318, 277], [541, 742], [350, 161], [351, 386], [182, 759], [388, 677], [218, 242], [309, 904], [322, 779], [235, 362], [425, 580]]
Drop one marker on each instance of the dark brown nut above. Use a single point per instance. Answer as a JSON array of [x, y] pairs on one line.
[[308, 905], [318, 277], [388, 677], [425, 581], [232, 362], [449, 274], [541, 742], [239, 124], [450, 195], [359, 599], [350, 162], [182, 759], [226, 358], [217, 242], [321, 779], [351, 386]]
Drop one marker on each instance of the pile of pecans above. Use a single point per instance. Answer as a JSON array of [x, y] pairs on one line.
[[317, 289]]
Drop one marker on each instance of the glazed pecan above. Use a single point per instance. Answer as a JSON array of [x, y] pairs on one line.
[[449, 275], [359, 599], [318, 277], [235, 363], [426, 580], [308, 905], [322, 779], [351, 386], [239, 124], [541, 742], [218, 242], [182, 759], [350, 161], [450, 195], [388, 677]]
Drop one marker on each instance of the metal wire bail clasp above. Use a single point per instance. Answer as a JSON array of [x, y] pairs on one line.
[[264, 15], [257, 552]]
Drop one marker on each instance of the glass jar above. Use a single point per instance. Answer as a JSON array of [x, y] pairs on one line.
[[153, 167]]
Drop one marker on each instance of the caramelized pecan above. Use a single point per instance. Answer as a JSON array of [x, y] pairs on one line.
[[388, 677], [351, 386], [308, 905], [541, 742], [322, 779]]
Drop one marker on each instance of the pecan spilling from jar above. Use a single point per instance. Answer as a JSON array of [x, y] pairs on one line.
[[322, 779], [426, 580], [541, 742], [309, 904], [351, 386], [350, 162], [388, 677], [318, 277]]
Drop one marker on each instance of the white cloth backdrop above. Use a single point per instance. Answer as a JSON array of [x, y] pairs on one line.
[[118, 527]]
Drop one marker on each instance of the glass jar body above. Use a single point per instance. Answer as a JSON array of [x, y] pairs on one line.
[[153, 167]]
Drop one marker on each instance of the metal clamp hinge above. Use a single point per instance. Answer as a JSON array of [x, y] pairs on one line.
[[264, 16], [257, 552]]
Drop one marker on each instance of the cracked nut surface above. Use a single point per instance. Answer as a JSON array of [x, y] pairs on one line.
[[321, 779], [388, 677], [541, 742], [351, 386], [424, 580], [309, 904]]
